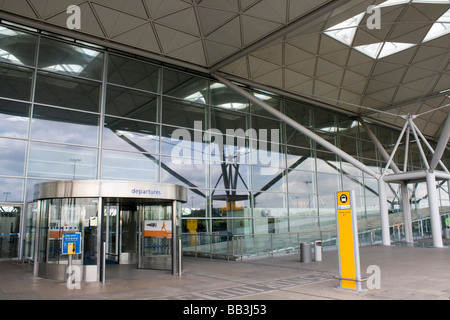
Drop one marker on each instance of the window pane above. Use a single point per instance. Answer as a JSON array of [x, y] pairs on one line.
[[228, 120], [12, 159], [185, 86], [67, 92], [131, 104], [62, 162], [300, 112], [226, 98], [328, 183], [69, 59], [229, 205], [300, 159], [183, 113], [268, 130], [183, 172], [272, 101], [30, 188], [133, 73], [14, 117], [230, 176], [11, 190], [303, 205], [349, 146], [296, 138], [268, 204], [131, 135], [325, 121], [269, 179], [301, 182], [184, 143], [15, 82], [57, 125], [327, 162], [116, 165], [196, 206], [17, 47]]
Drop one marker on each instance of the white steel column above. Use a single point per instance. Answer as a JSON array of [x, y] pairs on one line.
[[406, 213], [433, 204], [384, 213]]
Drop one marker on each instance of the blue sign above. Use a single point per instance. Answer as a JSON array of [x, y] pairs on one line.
[[71, 243]]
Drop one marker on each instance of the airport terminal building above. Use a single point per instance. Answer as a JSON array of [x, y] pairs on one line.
[[250, 114]]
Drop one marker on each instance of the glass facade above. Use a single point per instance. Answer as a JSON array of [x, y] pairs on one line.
[[72, 111]]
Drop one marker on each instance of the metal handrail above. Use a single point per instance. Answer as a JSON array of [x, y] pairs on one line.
[[233, 246]]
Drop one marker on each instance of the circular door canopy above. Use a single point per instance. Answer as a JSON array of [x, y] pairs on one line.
[[109, 189]]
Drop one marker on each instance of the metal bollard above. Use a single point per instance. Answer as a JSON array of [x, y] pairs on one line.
[[305, 252]]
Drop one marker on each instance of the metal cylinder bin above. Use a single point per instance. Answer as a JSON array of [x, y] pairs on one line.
[[318, 251], [305, 252]]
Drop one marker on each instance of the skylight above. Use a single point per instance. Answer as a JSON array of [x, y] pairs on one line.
[[440, 28], [70, 68], [383, 49], [8, 56], [390, 3], [345, 31]]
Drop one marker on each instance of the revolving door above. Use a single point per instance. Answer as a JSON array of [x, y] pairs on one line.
[[119, 222], [139, 231]]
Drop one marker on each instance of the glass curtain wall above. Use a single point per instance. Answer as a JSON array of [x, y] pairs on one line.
[[74, 111]]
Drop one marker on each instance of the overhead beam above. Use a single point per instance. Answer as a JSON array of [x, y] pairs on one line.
[[281, 116], [378, 145], [311, 17], [442, 143]]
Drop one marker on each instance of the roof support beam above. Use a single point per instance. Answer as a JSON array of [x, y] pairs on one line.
[[281, 116], [442, 143], [329, 7], [379, 146]]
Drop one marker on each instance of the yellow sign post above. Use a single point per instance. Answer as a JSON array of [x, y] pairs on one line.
[[347, 241]]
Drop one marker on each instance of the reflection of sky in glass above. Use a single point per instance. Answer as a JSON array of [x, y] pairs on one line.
[[66, 132], [12, 157], [55, 161], [13, 126], [116, 165], [11, 190], [130, 141]]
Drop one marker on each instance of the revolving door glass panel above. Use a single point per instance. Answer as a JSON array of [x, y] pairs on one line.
[[68, 215], [138, 231], [156, 245], [120, 225], [9, 231]]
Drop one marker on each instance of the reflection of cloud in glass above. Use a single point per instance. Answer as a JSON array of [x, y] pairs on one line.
[[13, 126], [66, 132], [130, 140], [12, 157], [11, 190], [53, 161]]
